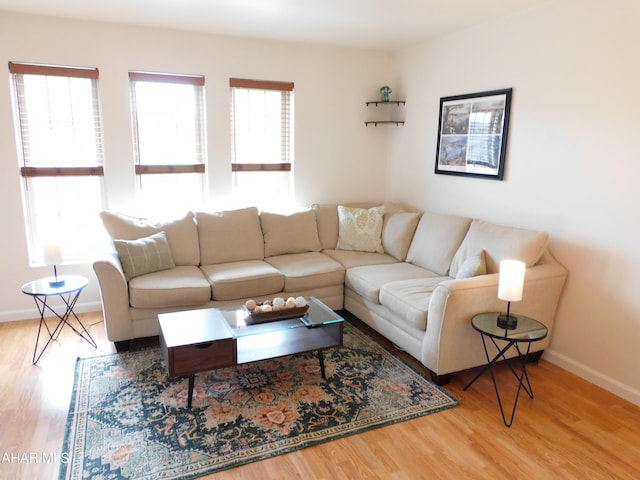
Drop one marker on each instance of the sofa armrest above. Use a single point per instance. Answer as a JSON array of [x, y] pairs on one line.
[[114, 293], [451, 344]]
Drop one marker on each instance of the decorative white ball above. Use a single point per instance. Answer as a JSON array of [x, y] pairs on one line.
[[250, 304], [266, 308], [300, 301], [291, 303], [278, 302]]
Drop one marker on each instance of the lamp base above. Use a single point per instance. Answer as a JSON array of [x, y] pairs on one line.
[[56, 282], [508, 322]]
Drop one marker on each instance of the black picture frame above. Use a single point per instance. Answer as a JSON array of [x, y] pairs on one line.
[[472, 134]]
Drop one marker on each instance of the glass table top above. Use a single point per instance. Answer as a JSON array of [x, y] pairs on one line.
[[240, 324], [528, 329], [212, 324], [42, 287]]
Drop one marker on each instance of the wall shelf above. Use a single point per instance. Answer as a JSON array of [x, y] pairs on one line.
[[380, 102], [376, 122], [396, 103]]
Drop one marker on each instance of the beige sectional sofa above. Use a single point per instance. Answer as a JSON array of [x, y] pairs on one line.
[[417, 278]]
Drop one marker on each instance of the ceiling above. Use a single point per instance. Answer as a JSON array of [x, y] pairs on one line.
[[374, 24]]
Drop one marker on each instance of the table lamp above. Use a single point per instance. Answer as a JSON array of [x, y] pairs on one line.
[[53, 256], [510, 289]]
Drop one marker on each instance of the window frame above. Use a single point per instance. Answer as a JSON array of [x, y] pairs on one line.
[[245, 83], [167, 78], [28, 162]]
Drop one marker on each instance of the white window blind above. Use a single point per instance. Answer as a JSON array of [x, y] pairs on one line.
[[59, 138], [262, 138], [168, 119]]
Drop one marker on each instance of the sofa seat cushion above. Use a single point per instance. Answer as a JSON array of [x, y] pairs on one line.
[[367, 280], [304, 271], [183, 286], [409, 299], [250, 278], [349, 259]]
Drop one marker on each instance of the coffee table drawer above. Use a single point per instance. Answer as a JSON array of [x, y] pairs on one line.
[[198, 358]]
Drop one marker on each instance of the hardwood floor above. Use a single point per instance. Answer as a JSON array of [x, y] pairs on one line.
[[571, 430]]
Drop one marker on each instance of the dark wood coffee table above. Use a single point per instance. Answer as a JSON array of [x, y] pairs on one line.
[[200, 340]]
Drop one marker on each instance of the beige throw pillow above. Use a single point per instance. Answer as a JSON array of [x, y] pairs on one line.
[[360, 229], [473, 266], [144, 255], [295, 233]]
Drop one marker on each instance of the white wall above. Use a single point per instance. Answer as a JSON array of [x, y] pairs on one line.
[[572, 163], [332, 145]]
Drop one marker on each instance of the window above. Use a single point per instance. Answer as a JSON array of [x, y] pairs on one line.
[[262, 139], [59, 137], [169, 140]]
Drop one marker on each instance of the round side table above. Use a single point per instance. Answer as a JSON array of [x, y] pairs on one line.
[[527, 331], [41, 291]]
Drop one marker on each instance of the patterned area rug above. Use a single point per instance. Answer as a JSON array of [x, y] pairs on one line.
[[128, 419]]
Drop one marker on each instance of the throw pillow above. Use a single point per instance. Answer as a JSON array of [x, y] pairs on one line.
[[144, 255], [295, 233], [360, 229], [473, 266]]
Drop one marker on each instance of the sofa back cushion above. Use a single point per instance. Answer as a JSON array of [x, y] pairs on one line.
[[182, 233], [398, 231], [500, 243], [436, 240], [230, 236], [295, 233]]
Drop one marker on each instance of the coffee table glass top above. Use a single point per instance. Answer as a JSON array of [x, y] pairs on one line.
[[318, 315]]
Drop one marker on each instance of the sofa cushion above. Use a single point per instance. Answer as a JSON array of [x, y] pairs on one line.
[[305, 271], [360, 229], [230, 236], [436, 240], [183, 286], [144, 255], [182, 233], [409, 299], [473, 266], [397, 232], [350, 258], [295, 233], [250, 278], [367, 280], [500, 243]]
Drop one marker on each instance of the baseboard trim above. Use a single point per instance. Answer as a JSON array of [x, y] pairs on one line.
[[32, 313], [597, 378]]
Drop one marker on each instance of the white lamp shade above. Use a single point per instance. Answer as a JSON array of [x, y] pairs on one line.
[[53, 255], [511, 280]]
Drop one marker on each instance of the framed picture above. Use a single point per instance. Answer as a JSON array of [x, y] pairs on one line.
[[472, 134]]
